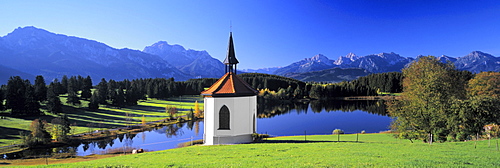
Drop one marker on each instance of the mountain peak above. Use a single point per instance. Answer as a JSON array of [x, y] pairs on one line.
[[29, 31], [479, 54], [351, 56], [318, 58], [347, 59]]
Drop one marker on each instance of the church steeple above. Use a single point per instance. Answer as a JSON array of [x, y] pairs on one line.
[[230, 60]]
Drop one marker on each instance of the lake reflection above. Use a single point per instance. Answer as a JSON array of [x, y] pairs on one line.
[[276, 119], [322, 117]]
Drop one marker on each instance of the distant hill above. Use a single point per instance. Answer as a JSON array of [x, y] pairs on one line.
[[330, 75], [6, 73], [194, 63], [261, 70]]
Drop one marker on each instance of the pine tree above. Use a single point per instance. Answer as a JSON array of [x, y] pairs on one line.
[[1, 99], [40, 88], [31, 105], [72, 96], [86, 88], [94, 101], [54, 104], [15, 96], [102, 89], [132, 95], [119, 98], [64, 84]]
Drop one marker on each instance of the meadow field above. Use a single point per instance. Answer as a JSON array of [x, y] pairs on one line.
[[371, 150], [106, 117]]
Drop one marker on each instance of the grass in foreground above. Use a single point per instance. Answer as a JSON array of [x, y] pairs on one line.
[[372, 150]]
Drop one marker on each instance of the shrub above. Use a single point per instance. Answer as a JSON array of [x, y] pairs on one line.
[[258, 137], [338, 131]]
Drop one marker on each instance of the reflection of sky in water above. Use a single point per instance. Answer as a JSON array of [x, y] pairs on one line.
[[292, 123], [295, 123], [149, 140]]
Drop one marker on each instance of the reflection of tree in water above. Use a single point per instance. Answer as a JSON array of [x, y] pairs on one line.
[[197, 128], [128, 140], [120, 137], [267, 109], [190, 124], [85, 146]]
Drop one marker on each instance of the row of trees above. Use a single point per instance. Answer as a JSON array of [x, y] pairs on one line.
[[441, 103], [384, 82], [25, 99]]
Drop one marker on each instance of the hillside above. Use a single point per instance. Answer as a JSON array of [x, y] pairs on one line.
[[332, 75]]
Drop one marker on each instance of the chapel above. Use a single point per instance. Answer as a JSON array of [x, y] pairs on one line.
[[230, 106]]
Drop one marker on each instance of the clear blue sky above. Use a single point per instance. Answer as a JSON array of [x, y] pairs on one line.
[[272, 33]]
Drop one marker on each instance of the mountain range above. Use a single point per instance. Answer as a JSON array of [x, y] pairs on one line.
[[30, 51], [476, 61]]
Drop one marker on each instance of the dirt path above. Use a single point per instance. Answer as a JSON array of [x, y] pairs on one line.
[[44, 161]]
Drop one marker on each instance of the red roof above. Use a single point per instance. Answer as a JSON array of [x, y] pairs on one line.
[[230, 85]]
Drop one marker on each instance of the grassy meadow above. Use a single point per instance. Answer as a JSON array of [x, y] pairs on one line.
[[372, 150], [84, 120]]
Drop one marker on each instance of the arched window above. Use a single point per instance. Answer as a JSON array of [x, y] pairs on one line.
[[224, 118]]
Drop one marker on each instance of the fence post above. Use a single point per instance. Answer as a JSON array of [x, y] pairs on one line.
[[357, 137], [338, 137], [305, 135], [497, 144]]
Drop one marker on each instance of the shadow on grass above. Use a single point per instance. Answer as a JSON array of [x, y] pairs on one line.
[[147, 108], [9, 133]]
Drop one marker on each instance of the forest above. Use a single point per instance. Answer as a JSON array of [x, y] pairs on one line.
[[21, 98]]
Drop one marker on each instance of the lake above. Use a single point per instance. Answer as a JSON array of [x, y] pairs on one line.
[[275, 119]]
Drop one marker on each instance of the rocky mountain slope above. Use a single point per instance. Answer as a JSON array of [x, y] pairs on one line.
[[194, 63]]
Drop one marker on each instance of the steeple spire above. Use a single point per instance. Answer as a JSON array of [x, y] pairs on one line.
[[230, 60]]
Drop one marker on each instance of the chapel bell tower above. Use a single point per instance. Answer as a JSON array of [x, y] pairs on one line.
[[230, 106]]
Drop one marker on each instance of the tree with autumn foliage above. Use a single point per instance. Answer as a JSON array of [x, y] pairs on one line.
[[485, 84], [429, 89], [172, 111], [38, 135], [197, 112]]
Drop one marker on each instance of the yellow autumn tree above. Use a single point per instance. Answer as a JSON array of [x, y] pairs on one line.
[[143, 120], [197, 112]]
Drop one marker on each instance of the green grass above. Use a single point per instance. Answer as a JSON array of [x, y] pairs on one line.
[[106, 117], [372, 150]]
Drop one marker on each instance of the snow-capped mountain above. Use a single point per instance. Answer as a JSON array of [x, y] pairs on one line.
[[383, 62], [349, 58], [478, 61], [315, 63]]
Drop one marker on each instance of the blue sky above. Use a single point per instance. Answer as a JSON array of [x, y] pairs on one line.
[[272, 33]]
